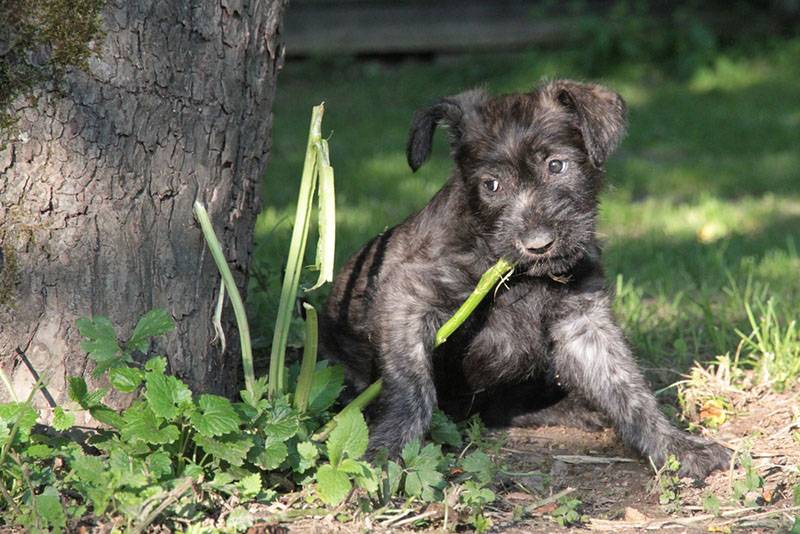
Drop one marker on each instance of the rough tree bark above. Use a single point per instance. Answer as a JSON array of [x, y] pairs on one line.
[[97, 186]]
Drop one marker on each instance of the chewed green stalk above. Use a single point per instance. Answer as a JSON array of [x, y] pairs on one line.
[[359, 403], [485, 284]]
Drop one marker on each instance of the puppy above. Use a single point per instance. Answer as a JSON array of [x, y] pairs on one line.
[[524, 187]]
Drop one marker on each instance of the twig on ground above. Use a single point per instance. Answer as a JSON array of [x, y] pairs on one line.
[[581, 459], [531, 509], [679, 522], [169, 499], [418, 517]]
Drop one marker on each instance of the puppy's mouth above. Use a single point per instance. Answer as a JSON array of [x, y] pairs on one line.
[[534, 254], [551, 261]]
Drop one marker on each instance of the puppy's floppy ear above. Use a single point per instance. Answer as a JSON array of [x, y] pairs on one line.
[[601, 115], [453, 112]]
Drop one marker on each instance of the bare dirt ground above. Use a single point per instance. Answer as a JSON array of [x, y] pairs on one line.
[[623, 496]]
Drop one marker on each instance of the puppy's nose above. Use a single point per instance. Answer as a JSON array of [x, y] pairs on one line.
[[540, 241]]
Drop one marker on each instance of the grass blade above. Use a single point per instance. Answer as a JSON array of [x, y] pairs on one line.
[[214, 246]]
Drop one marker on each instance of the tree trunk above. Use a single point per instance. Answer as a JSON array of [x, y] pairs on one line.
[[97, 187]]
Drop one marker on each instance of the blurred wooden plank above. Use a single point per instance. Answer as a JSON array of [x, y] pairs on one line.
[[386, 27]]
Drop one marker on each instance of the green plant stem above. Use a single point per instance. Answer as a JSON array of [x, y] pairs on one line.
[[294, 262], [309, 363], [485, 284], [359, 403], [214, 246]]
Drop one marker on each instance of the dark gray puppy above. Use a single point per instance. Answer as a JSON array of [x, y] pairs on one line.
[[528, 169]]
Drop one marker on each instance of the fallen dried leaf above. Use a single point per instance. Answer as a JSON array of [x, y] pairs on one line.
[[632, 514]]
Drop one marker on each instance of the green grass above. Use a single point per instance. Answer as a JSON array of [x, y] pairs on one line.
[[701, 213]]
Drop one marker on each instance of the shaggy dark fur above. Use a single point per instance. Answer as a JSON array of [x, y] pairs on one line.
[[528, 169]]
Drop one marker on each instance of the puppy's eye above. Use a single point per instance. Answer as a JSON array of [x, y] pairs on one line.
[[492, 185], [556, 166]]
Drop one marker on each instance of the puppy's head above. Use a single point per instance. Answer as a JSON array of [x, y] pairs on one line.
[[531, 165]]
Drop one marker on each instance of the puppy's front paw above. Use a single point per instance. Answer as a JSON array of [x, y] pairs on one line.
[[699, 457]]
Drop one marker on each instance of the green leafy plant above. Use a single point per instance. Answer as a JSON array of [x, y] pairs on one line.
[[568, 512], [345, 446], [743, 488], [669, 483]]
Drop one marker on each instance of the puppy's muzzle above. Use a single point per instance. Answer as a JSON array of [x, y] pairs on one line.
[[539, 242]]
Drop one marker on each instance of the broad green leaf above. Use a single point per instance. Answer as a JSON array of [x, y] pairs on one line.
[[239, 519], [125, 379], [282, 422], [97, 327], [256, 399], [62, 420], [410, 452], [222, 479], [140, 423], [325, 387], [232, 449], [94, 398], [479, 465], [394, 474], [270, 454], [422, 476], [106, 415], [475, 495], [308, 454], [126, 470], [444, 431], [40, 451], [105, 353], [332, 485], [215, 416], [250, 486], [153, 323], [349, 437], [352, 467], [90, 469], [48, 508], [77, 390], [369, 478], [23, 412], [157, 365], [101, 343], [160, 464], [166, 394], [423, 483]]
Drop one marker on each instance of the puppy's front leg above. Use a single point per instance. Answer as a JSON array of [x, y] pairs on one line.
[[408, 397], [591, 357]]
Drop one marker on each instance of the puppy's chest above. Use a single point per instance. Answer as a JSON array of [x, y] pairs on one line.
[[506, 339]]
